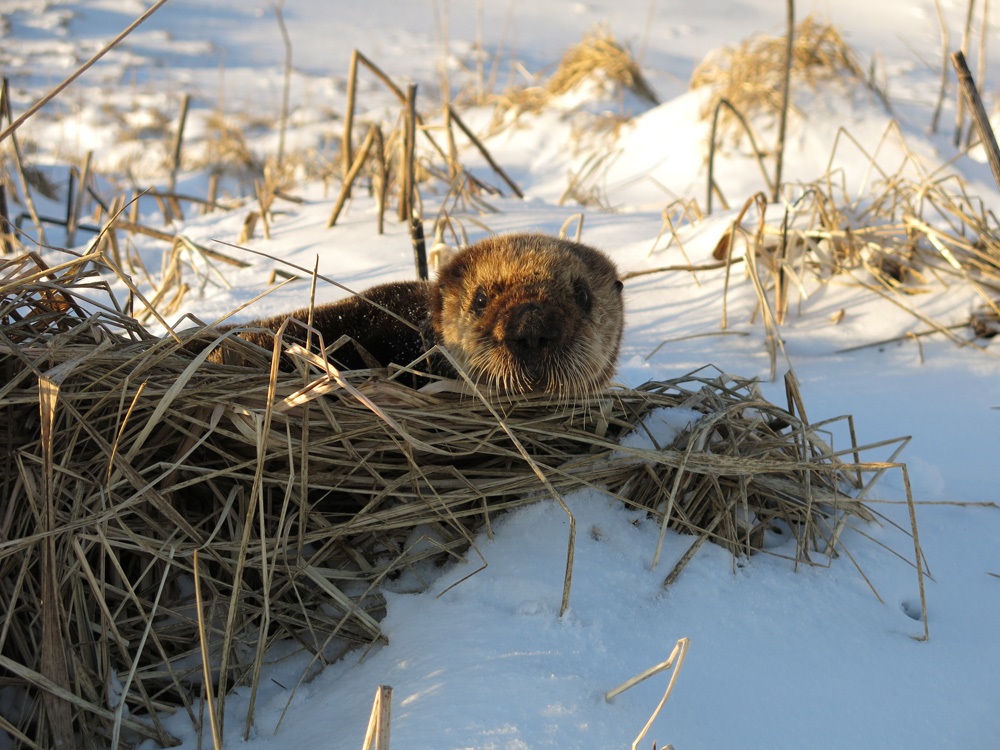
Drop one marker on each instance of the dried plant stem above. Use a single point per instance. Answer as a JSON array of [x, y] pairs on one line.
[[686, 268], [175, 162], [206, 665], [917, 551], [485, 153], [979, 116], [419, 247], [960, 104], [945, 46], [7, 238], [785, 96], [287, 83], [679, 654], [712, 141], [380, 721], [29, 201], [407, 178], [652, 671], [345, 188], [382, 177], [73, 211], [346, 148]]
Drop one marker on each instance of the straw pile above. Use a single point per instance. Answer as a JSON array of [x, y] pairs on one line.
[[599, 60], [303, 492], [600, 56], [749, 76]]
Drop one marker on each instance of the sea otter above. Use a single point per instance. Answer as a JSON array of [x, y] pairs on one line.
[[519, 313]]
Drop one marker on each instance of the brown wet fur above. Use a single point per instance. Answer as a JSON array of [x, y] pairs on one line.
[[519, 312], [527, 312], [378, 336]]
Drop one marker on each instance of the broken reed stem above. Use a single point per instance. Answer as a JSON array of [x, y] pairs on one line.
[[80, 71], [917, 550], [406, 169], [654, 670], [73, 213], [979, 116], [53, 656], [287, 84], [680, 654], [352, 173], [419, 247], [485, 153], [786, 84], [213, 193], [943, 87], [346, 143], [358, 57], [7, 238], [29, 202], [960, 104], [379, 721], [712, 187], [206, 664], [984, 33], [175, 162], [382, 176], [264, 199]]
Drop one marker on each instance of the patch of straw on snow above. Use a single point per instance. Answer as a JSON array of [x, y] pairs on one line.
[[598, 61], [304, 492], [749, 76]]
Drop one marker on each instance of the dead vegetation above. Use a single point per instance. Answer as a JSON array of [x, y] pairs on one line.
[[749, 77], [913, 232], [305, 492], [599, 59], [599, 63]]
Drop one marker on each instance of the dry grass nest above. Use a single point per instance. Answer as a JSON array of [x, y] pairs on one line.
[[303, 493]]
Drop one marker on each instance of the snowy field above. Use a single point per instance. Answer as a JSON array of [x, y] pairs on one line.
[[779, 657]]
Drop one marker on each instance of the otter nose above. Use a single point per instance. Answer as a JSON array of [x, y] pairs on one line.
[[531, 329]]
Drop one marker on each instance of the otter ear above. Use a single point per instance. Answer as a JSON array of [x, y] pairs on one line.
[[452, 271], [619, 285]]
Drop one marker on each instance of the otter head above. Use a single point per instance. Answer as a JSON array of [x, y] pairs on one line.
[[526, 312]]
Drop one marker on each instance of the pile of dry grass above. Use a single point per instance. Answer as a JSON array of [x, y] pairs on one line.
[[599, 60], [749, 77], [600, 57], [302, 493]]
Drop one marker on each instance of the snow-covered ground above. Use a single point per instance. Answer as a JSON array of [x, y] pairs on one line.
[[779, 658]]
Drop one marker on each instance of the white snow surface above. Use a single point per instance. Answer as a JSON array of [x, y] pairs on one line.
[[781, 656]]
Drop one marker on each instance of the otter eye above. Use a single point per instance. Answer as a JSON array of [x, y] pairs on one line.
[[480, 301], [582, 296]]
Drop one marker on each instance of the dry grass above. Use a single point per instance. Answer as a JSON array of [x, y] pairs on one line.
[[226, 149], [913, 231], [304, 492], [598, 60], [749, 77], [601, 59]]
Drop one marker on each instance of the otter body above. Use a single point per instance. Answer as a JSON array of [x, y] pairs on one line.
[[391, 324], [519, 313]]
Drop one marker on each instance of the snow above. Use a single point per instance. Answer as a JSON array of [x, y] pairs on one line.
[[781, 657]]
